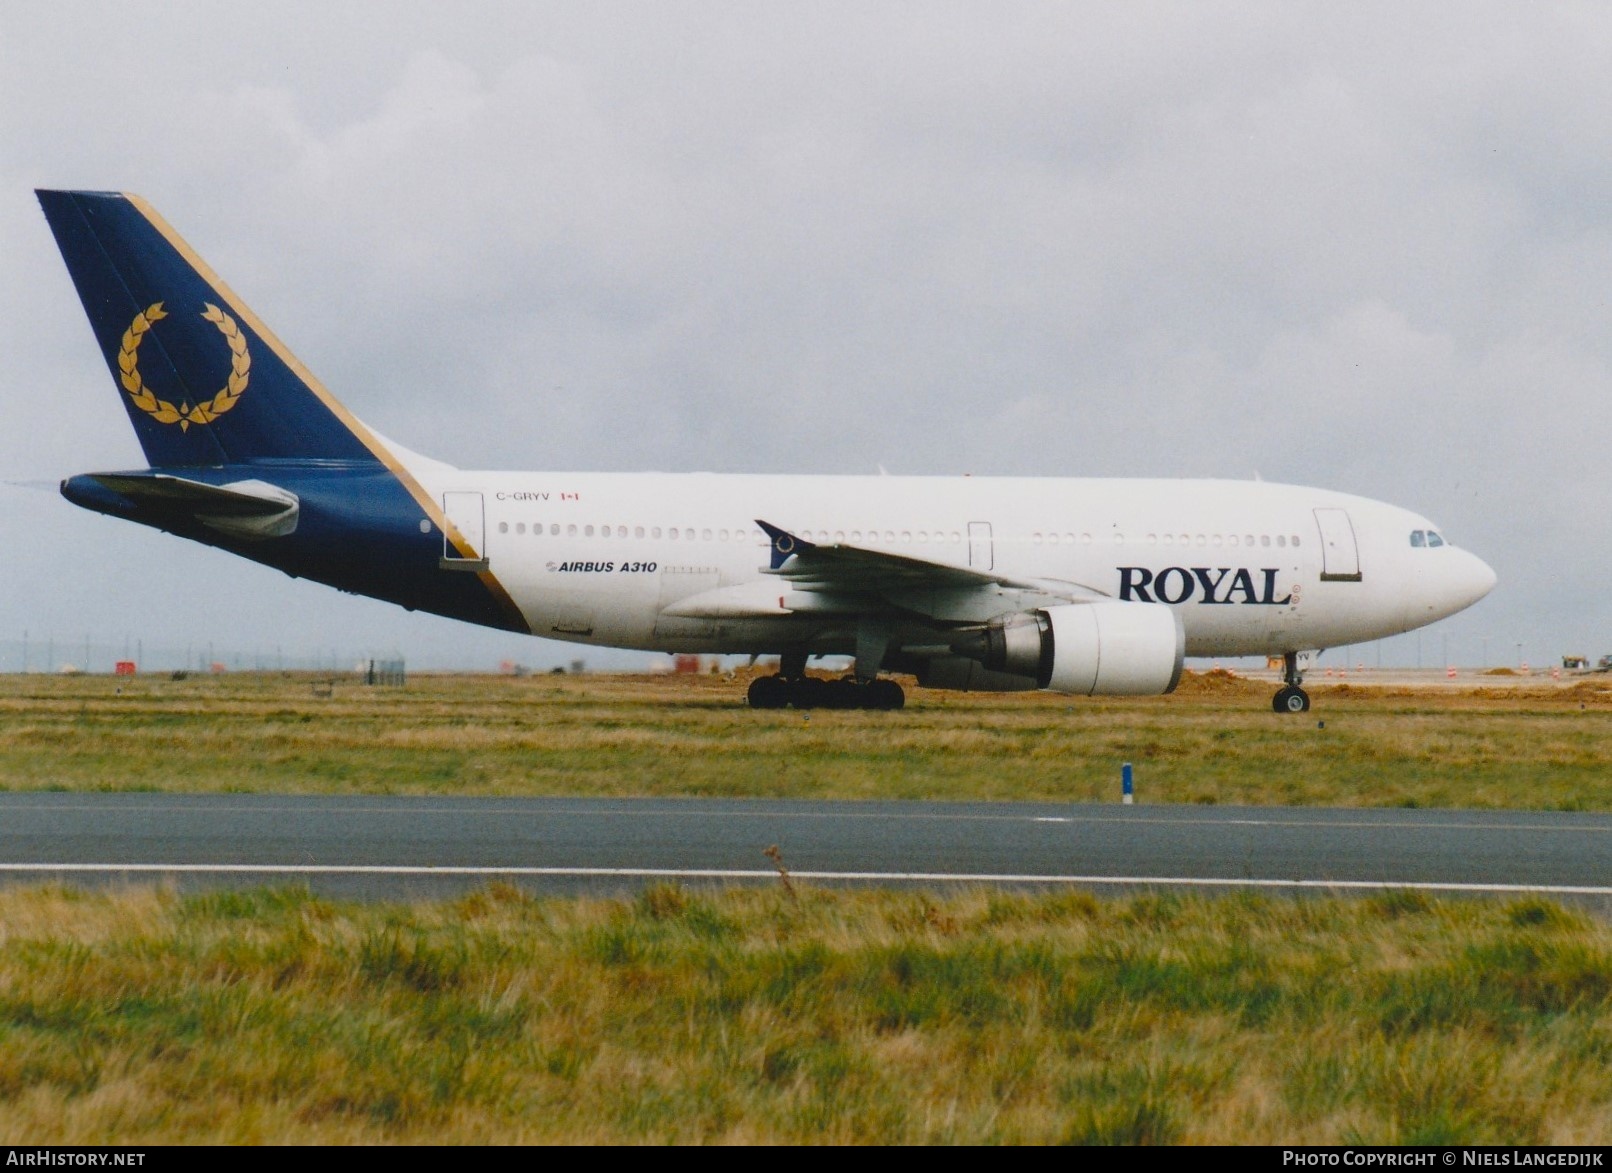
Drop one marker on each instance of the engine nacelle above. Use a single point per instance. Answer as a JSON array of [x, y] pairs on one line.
[[965, 675], [1094, 649]]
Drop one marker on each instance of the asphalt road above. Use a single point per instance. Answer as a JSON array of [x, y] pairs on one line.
[[377, 847]]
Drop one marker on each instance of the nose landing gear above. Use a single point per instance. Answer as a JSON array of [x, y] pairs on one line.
[[1291, 698]]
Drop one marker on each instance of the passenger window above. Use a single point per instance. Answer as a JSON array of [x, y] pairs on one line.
[[520, 527], [570, 531], [503, 527], [1295, 539], [655, 533], [1433, 539], [1418, 538], [1281, 539]]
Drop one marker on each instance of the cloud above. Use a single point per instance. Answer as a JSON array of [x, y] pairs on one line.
[[1361, 246]]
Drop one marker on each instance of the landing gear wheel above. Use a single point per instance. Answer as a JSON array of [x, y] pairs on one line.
[[768, 692], [886, 695], [845, 693], [1291, 699], [809, 693]]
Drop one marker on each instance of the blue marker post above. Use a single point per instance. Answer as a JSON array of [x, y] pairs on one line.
[[1125, 783]]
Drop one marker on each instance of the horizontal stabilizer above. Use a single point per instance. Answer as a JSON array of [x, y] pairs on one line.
[[249, 509]]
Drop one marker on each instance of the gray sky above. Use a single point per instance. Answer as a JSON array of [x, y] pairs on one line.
[[1359, 246]]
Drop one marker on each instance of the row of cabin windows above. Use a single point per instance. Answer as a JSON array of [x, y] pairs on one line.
[[1180, 539], [1282, 540], [652, 532], [905, 537]]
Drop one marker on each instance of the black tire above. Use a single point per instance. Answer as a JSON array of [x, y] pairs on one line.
[[1291, 699], [845, 693], [809, 693], [768, 692], [886, 695]]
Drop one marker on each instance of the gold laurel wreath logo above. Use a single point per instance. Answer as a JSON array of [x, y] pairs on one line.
[[184, 415]]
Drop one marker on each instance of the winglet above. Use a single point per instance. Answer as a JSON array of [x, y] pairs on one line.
[[785, 545]]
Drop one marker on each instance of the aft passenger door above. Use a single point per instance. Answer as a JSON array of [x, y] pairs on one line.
[[464, 541]]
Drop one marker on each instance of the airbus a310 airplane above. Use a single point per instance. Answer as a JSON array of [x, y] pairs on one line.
[[1085, 586]]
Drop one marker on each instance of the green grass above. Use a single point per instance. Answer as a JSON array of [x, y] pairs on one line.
[[838, 1017], [802, 1016], [615, 736]]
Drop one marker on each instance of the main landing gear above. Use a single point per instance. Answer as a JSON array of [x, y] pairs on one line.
[[808, 692], [1291, 698], [793, 687]]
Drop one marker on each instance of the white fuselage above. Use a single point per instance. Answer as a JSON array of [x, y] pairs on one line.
[[1250, 567]]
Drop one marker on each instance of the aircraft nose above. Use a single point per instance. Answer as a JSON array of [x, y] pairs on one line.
[[1470, 578]]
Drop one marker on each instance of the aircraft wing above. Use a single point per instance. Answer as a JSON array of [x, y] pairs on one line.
[[843, 570]]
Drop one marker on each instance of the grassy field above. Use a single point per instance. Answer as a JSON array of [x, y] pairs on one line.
[[1215, 741], [803, 1016], [825, 1017]]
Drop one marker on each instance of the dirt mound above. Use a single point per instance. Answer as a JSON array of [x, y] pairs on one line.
[[1216, 682]]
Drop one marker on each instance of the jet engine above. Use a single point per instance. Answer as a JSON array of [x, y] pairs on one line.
[[965, 675], [1103, 648]]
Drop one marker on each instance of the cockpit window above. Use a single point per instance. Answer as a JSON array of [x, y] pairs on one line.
[[1433, 539], [1418, 538]]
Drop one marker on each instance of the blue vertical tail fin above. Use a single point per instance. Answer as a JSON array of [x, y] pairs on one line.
[[203, 381]]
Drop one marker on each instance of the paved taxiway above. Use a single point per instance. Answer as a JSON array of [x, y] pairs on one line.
[[405, 847]]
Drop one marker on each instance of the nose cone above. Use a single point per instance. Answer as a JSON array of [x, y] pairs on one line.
[[1464, 580]]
